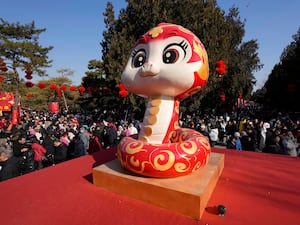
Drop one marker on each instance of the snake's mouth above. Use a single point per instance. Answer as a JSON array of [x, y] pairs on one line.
[[148, 74]]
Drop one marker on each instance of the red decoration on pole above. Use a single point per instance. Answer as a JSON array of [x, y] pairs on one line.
[[1, 79], [14, 117]]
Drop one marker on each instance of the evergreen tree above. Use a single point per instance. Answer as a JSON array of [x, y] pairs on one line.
[[19, 48], [283, 84], [221, 34]]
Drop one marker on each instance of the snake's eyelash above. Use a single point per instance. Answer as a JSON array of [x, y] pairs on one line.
[[183, 44]]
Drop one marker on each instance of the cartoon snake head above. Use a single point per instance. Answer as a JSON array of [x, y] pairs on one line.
[[167, 60]]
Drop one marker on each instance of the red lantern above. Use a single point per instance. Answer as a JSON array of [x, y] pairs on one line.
[[240, 96], [3, 65], [123, 93], [28, 77], [52, 86], [221, 67], [223, 98], [4, 69], [28, 72], [1, 78], [122, 86], [41, 85], [81, 89], [29, 84], [63, 87], [73, 88]]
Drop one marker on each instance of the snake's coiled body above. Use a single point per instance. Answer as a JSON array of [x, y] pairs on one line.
[[188, 151]]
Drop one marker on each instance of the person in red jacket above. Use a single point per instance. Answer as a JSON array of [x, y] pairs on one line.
[[39, 152]]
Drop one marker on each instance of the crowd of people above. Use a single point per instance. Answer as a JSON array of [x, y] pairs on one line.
[[279, 135], [44, 139]]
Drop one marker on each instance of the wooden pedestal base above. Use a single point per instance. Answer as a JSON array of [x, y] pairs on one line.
[[186, 195]]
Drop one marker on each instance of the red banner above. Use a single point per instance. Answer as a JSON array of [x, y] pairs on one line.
[[53, 107]]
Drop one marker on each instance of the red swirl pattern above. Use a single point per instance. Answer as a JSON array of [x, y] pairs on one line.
[[188, 151]]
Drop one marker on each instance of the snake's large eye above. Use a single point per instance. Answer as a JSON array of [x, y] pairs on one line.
[[139, 58], [173, 52]]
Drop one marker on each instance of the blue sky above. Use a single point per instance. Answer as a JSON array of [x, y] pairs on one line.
[[75, 28]]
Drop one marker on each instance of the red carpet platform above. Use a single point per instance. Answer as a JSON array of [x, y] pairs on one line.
[[256, 188]]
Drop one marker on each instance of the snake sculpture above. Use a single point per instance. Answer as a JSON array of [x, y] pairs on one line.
[[166, 65]]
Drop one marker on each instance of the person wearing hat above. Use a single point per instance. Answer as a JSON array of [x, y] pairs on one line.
[[85, 137]]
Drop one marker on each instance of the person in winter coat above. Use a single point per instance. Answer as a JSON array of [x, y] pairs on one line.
[[79, 148], [237, 142], [39, 152], [95, 144], [23, 151], [110, 137], [85, 137], [48, 144], [289, 144], [60, 152], [213, 136], [263, 136], [9, 164], [230, 143]]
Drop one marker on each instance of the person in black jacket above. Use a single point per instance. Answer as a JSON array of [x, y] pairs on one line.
[[48, 144], [9, 165], [79, 148], [23, 151], [60, 152], [110, 137]]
